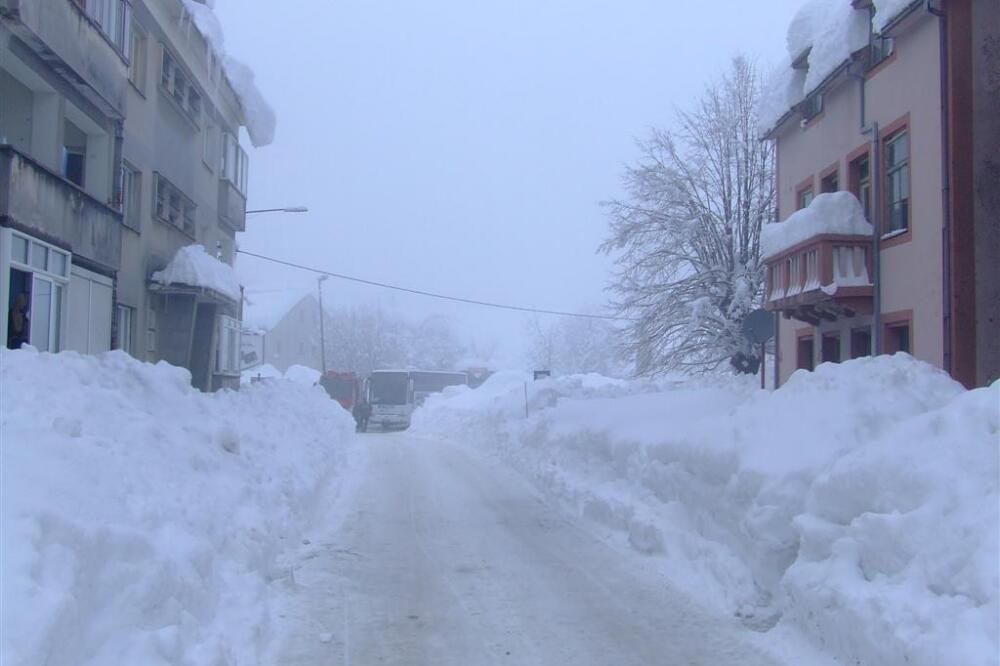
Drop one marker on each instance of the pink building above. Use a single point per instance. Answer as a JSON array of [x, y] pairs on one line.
[[899, 104]]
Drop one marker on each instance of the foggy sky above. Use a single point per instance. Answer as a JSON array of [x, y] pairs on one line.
[[462, 146]]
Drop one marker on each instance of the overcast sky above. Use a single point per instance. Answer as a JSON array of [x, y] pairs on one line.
[[463, 146]]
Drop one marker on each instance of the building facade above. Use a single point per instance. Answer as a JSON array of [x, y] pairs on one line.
[[119, 145], [908, 124], [281, 329]]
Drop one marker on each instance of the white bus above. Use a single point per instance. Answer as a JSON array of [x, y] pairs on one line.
[[392, 395]]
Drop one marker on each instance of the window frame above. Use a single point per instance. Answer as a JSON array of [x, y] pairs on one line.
[[860, 187], [227, 351], [125, 329], [58, 307], [889, 172], [177, 84], [802, 337], [891, 322], [138, 61], [236, 168], [186, 222], [131, 196]]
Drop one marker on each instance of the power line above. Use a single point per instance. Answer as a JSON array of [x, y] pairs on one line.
[[430, 294]]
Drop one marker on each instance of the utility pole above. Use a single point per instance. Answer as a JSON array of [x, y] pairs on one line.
[[322, 334]]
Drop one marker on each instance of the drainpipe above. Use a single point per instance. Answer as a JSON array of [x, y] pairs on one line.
[[945, 186], [875, 174]]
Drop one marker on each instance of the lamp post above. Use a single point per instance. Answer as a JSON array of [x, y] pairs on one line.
[[290, 209], [322, 334]]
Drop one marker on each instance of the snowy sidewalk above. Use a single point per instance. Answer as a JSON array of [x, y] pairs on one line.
[[445, 557]]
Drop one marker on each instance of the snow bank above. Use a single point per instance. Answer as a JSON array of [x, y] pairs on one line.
[[259, 116], [194, 267], [301, 374], [831, 213], [857, 505], [142, 519], [262, 371]]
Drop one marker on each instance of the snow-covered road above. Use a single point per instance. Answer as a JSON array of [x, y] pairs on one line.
[[445, 557]]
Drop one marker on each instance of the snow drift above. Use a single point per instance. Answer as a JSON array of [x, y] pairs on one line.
[[142, 520], [857, 505]]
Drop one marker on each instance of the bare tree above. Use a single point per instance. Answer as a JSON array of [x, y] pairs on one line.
[[687, 236], [572, 345]]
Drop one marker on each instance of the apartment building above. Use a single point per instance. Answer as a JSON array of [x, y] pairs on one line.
[[119, 147], [62, 106], [907, 122]]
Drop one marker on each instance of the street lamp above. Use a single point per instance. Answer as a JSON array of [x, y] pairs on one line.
[[322, 335], [290, 209]]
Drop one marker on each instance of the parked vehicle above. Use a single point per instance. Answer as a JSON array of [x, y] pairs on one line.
[[389, 393], [344, 387], [426, 382]]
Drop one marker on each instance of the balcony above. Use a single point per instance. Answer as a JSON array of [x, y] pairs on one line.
[[824, 278], [232, 206], [44, 204], [59, 34]]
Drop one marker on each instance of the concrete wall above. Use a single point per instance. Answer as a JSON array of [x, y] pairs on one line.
[[912, 266], [986, 167]]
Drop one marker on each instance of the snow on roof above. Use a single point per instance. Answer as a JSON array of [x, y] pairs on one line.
[[258, 116], [192, 266], [823, 35], [832, 213], [263, 310]]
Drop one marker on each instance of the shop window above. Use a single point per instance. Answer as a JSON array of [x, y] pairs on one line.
[[37, 277], [830, 350], [861, 342], [804, 353]]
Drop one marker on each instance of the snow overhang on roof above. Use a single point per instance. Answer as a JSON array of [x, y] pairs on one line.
[[258, 115], [193, 268], [824, 38]]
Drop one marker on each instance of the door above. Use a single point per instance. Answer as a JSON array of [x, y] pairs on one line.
[[90, 312]]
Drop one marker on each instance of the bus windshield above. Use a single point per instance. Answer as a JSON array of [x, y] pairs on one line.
[[389, 388]]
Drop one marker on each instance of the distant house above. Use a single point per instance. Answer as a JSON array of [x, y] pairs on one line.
[[895, 103], [281, 329]]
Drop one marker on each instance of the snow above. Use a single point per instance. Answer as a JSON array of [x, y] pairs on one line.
[[263, 310], [301, 374], [143, 520], [830, 31], [856, 506], [262, 371], [192, 266], [259, 116], [830, 213]]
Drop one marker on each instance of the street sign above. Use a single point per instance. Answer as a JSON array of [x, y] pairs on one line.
[[758, 326]]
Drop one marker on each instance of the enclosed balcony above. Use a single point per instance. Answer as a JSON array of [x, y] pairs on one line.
[[45, 204], [819, 261]]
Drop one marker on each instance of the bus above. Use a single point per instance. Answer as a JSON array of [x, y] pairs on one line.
[[426, 382], [389, 395]]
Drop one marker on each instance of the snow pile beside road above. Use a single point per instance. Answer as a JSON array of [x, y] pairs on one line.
[[858, 504], [142, 519]]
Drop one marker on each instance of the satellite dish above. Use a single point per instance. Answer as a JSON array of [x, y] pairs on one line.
[[758, 326]]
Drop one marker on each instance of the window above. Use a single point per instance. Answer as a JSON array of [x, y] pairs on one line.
[[210, 146], [881, 48], [897, 182], [805, 198], [172, 207], [37, 278], [897, 338], [227, 357], [804, 353], [131, 196], [124, 317], [178, 87], [235, 164], [137, 58], [830, 183], [830, 349], [112, 16], [861, 184], [861, 342], [811, 107], [74, 164]]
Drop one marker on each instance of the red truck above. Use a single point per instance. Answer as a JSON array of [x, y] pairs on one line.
[[344, 387]]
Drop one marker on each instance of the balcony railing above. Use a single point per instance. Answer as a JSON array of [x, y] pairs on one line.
[[822, 279], [45, 204]]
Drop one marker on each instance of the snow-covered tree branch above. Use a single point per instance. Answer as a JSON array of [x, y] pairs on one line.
[[687, 235]]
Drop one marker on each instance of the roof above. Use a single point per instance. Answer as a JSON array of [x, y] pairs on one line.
[[263, 310], [192, 266]]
